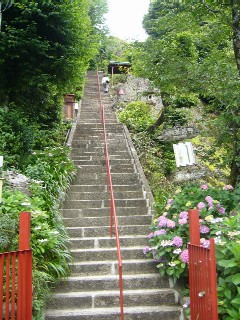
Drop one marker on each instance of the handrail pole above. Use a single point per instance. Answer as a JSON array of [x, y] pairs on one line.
[[112, 203]]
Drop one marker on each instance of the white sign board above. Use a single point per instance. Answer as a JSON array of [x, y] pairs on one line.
[[1, 161], [184, 154]]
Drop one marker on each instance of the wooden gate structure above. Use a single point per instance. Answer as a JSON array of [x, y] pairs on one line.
[[16, 277], [202, 274]]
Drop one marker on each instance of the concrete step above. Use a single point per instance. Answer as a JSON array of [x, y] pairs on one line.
[[96, 283], [111, 141], [130, 313], [94, 212], [107, 242], [147, 297], [103, 188], [111, 267], [102, 168], [107, 254], [104, 195], [98, 154], [81, 204], [104, 231], [91, 160], [104, 221], [117, 178]]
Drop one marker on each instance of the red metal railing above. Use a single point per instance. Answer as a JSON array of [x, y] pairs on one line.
[[202, 274], [113, 215], [16, 277]]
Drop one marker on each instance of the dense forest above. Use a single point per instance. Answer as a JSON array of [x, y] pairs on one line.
[[192, 56]]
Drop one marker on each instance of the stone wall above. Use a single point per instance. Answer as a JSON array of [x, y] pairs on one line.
[[139, 89]]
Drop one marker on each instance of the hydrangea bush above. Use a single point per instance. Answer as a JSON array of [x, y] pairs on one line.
[[219, 218], [169, 234]]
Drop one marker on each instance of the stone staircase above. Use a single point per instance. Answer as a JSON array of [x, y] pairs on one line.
[[92, 292]]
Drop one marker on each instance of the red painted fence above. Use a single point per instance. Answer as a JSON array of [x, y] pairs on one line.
[[202, 274], [16, 277]]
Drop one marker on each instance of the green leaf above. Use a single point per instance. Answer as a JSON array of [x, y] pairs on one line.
[[227, 263], [233, 313], [236, 302], [227, 293], [236, 279], [221, 281]]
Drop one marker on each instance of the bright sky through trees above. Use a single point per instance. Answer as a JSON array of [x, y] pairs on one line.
[[124, 18]]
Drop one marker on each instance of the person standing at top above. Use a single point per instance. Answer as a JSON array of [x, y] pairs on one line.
[[105, 82]]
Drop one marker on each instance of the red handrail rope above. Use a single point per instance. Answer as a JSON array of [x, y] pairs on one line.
[[113, 215]]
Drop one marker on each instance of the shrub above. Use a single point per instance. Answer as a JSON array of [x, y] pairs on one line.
[[53, 167], [175, 117], [185, 101], [218, 219], [137, 116], [48, 241]]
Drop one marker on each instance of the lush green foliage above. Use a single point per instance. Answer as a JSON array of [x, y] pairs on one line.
[[136, 116], [45, 52], [51, 172], [190, 51], [218, 219], [55, 170], [113, 49]]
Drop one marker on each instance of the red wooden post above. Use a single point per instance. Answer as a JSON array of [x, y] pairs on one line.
[[24, 231], [213, 280], [24, 301], [1, 283], [202, 274], [194, 226]]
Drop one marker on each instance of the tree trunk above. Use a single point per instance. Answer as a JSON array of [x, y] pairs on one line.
[[235, 169], [157, 123], [236, 31], [160, 119]]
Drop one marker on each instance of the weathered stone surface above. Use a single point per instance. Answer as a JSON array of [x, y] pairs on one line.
[[188, 174], [178, 134], [139, 89]]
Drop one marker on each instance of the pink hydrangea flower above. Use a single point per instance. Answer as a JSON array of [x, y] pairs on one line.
[[151, 235], [177, 241], [170, 202], [201, 205], [183, 215], [209, 200], [204, 229], [160, 232], [184, 256], [204, 186], [221, 210], [162, 221], [171, 224], [205, 243], [182, 221], [228, 187], [146, 249]]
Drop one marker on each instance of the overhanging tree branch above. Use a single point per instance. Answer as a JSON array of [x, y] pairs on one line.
[[4, 8]]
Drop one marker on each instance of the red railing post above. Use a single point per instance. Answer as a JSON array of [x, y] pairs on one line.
[[1, 284], [202, 274], [213, 280], [24, 289], [24, 231], [194, 226]]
